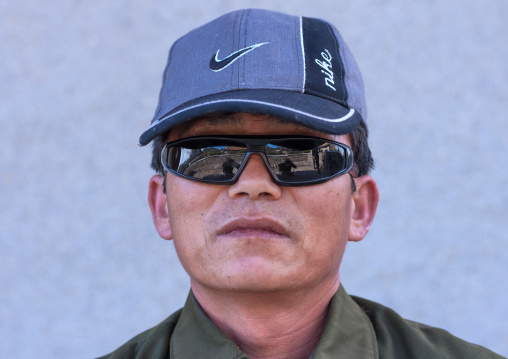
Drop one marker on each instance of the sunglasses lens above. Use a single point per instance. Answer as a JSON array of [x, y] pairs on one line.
[[206, 161], [306, 160], [293, 160]]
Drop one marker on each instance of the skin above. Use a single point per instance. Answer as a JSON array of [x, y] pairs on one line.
[[263, 259]]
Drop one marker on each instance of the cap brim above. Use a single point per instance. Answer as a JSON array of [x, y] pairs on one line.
[[303, 109]]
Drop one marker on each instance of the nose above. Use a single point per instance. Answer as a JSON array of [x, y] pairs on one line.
[[255, 181]]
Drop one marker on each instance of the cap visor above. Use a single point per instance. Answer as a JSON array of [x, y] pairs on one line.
[[302, 109]]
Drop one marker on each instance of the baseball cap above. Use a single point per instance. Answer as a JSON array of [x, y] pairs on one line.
[[262, 62]]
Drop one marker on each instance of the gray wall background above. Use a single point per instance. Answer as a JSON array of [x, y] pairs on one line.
[[81, 268]]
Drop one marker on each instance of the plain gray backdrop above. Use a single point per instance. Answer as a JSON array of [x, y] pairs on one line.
[[83, 270]]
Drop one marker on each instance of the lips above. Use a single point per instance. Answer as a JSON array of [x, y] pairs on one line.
[[253, 227]]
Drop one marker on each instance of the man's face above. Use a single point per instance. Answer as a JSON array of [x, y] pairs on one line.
[[254, 235]]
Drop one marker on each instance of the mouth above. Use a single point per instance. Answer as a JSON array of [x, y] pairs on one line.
[[261, 228]]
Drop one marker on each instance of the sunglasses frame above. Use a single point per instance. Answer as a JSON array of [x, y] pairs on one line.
[[257, 144]]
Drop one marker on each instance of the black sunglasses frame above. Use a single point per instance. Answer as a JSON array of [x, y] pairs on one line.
[[257, 144]]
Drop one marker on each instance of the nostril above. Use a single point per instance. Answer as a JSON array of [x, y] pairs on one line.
[[259, 195]]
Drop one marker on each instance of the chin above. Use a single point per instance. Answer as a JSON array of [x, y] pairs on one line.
[[256, 275], [256, 287]]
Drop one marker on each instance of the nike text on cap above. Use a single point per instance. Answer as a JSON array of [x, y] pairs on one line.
[[263, 62]]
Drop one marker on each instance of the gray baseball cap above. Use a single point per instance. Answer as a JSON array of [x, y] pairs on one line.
[[263, 62]]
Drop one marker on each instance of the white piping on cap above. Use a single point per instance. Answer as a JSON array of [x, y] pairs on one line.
[[335, 120], [303, 53]]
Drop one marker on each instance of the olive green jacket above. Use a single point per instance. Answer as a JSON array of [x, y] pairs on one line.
[[355, 328]]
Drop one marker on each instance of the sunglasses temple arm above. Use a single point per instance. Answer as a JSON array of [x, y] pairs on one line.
[[354, 171]]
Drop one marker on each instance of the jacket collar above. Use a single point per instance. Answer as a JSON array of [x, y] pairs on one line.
[[348, 333]]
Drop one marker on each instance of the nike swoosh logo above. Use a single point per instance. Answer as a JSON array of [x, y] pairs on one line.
[[217, 64]]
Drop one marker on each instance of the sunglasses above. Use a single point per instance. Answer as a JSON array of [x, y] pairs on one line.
[[290, 160]]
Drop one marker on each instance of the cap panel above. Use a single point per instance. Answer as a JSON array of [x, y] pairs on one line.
[[353, 77], [188, 74], [277, 64], [324, 69], [260, 50]]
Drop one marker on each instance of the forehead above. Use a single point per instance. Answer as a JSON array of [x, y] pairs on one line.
[[245, 124]]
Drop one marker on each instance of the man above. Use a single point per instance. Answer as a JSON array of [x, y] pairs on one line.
[[263, 247]]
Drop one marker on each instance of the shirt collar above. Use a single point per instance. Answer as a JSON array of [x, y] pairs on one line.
[[195, 336], [348, 333]]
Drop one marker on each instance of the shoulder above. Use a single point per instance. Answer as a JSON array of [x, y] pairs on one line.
[[152, 343], [398, 337]]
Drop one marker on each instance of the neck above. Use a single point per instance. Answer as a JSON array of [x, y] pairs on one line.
[[269, 325]]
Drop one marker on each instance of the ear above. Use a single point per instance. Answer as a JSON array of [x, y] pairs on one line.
[[159, 206], [365, 201]]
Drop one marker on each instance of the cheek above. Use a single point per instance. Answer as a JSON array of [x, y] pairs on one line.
[[188, 204], [328, 212]]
